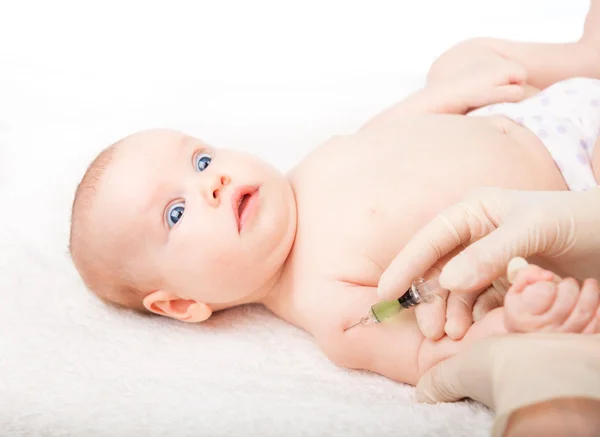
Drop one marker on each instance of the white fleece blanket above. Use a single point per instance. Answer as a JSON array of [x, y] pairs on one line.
[[275, 78]]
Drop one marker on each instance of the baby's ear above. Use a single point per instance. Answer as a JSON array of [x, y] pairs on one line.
[[165, 303]]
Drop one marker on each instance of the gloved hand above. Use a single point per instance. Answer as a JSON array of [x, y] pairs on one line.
[[513, 371], [496, 225]]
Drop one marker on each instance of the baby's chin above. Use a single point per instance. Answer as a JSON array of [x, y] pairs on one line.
[[275, 223]]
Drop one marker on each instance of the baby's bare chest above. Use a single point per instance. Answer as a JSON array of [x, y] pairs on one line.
[[355, 212], [361, 198]]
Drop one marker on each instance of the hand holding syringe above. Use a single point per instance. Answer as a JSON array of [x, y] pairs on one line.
[[420, 291], [423, 291]]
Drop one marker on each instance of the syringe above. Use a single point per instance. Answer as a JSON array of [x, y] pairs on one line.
[[420, 291]]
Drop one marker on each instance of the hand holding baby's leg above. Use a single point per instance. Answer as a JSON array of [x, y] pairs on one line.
[[539, 301]]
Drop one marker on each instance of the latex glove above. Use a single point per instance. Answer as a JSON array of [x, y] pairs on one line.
[[509, 372], [496, 225]]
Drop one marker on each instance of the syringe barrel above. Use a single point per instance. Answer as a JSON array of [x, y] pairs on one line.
[[385, 309], [420, 291]]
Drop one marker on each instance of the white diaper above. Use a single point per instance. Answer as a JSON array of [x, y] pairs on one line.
[[566, 118]]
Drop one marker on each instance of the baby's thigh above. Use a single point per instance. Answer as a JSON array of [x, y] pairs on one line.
[[596, 158]]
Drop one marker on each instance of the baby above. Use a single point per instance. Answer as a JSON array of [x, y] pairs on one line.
[[165, 223]]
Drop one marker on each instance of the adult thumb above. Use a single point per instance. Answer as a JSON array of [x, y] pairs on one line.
[[441, 383], [486, 260]]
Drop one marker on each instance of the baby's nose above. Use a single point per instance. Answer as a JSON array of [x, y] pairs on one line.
[[214, 189]]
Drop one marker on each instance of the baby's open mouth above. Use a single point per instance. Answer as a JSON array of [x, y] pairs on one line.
[[244, 202]]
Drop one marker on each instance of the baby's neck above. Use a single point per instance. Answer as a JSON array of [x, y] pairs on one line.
[[277, 291], [271, 291], [267, 294], [280, 301]]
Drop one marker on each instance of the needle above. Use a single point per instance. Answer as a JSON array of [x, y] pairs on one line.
[[364, 320], [356, 324]]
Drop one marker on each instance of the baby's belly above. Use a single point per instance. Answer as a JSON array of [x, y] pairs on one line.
[[362, 197]]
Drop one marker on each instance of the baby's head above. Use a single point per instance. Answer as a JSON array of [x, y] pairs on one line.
[[165, 223]]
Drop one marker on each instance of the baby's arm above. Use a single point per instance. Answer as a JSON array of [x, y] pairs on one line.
[[485, 84], [538, 301], [396, 348], [434, 99]]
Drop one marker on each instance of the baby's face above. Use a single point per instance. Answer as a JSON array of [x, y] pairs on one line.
[[209, 225]]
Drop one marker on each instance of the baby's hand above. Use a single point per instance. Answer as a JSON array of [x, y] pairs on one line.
[[489, 81], [539, 301]]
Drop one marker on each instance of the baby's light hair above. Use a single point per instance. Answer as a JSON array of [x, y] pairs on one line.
[[100, 275]]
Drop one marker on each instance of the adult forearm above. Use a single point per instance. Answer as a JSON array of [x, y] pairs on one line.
[[569, 417]]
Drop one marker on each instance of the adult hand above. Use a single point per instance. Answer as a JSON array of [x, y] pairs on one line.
[[511, 372], [495, 225]]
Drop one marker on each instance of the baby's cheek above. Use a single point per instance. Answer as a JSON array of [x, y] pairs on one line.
[[222, 255]]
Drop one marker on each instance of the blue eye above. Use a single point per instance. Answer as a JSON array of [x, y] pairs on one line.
[[175, 213], [202, 161]]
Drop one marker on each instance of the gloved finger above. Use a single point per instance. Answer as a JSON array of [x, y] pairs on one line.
[[486, 259], [490, 299], [514, 267], [431, 243], [442, 383], [585, 308], [431, 316], [440, 236], [459, 314], [470, 373]]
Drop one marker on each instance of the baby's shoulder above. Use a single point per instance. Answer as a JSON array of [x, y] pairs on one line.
[[323, 152]]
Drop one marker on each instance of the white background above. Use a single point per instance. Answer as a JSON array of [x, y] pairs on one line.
[[265, 75], [275, 78]]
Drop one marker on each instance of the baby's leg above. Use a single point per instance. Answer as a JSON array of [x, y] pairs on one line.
[[538, 301], [591, 28], [545, 63]]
